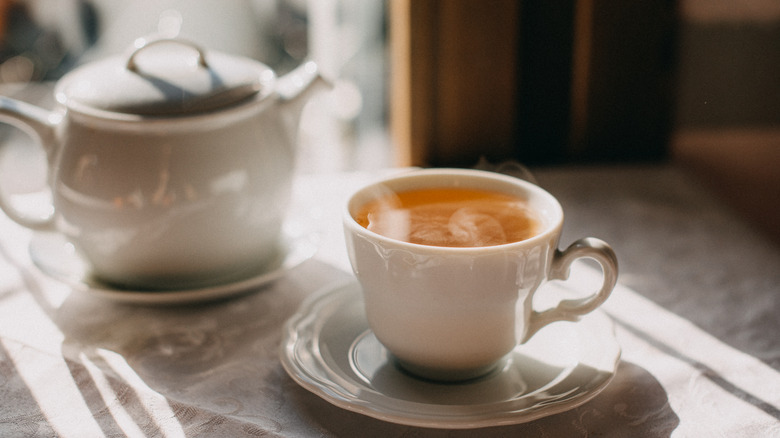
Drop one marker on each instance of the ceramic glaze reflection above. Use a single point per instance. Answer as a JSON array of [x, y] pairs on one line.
[[192, 199], [430, 308]]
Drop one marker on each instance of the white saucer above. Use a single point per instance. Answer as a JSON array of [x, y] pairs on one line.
[[56, 257], [328, 349]]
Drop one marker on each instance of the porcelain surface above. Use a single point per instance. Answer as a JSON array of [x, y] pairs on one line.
[[328, 349], [57, 258]]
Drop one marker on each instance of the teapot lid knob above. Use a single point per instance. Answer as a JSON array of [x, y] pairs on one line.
[[143, 43], [165, 77]]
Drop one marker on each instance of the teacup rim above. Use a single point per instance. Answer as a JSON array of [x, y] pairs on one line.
[[550, 230]]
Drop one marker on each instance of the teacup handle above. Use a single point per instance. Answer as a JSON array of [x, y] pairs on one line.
[[40, 124], [571, 310]]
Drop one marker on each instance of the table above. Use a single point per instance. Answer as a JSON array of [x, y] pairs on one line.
[[695, 313]]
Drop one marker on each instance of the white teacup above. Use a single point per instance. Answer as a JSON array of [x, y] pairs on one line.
[[453, 313]]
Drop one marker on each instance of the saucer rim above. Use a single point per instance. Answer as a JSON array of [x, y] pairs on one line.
[[329, 390], [298, 247]]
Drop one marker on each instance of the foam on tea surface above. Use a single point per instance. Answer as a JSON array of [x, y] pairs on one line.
[[456, 217]]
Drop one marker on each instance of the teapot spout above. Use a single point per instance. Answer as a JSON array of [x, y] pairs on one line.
[[298, 86]]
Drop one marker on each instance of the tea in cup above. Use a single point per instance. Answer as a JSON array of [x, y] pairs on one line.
[[449, 261]]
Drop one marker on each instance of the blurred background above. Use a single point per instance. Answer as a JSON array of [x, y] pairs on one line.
[[459, 82]]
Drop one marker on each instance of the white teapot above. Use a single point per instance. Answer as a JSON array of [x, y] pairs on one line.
[[170, 166]]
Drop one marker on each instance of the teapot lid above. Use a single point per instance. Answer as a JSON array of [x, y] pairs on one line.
[[174, 78]]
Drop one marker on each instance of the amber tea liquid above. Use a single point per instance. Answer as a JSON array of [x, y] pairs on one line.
[[454, 217]]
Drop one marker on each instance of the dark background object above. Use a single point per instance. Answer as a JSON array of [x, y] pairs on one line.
[[539, 82]]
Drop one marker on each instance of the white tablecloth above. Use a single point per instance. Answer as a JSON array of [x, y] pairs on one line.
[[75, 365]]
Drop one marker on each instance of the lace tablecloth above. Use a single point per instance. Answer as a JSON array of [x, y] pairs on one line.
[[695, 314]]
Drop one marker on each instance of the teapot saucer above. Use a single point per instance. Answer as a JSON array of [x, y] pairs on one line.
[[328, 349], [53, 255]]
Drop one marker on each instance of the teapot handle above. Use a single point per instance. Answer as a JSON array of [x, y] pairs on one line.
[[143, 43], [40, 124]]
